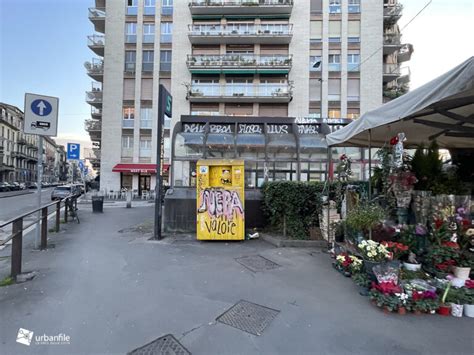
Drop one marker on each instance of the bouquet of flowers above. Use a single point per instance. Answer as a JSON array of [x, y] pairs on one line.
[[373, 251], [348, 262], [397, 250]]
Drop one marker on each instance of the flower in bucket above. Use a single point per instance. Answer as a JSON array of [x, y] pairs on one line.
[[343, 260], [356, 263], [396, 249], [373, 251]]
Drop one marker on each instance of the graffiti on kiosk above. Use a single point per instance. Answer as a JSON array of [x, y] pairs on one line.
[[218, 202], [220, 128], [194, 128], [250, 129]]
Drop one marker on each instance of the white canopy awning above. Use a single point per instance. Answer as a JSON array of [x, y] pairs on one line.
[[442, 109]]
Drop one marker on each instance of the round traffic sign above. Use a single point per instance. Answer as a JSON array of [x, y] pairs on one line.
[[41, 107]]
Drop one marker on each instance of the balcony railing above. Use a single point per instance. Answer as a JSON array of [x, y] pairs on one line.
[[240, 92], [229, 7], [97, 17], [128, 123], [392, 13], [239, 61], [95, 68], [96, 43], [92, 126], [391, 69], [96, 113], [240, 33], [146, 124], [94, 98], [392, 38]]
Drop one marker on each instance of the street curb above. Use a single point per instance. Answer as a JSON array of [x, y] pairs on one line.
[[288, 243], [20, 193]]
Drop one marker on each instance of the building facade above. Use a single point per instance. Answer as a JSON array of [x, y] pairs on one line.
[[260, 80], [19, 151]]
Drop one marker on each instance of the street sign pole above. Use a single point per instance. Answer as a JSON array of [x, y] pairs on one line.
[[164, 108], [39, 178]]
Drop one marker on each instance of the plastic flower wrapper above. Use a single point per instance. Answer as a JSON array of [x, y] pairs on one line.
[[386, 273], [418, 285]]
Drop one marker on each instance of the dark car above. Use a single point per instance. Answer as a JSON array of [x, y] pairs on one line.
[[15, 186], [4, 187], [33, 185], [60, 192]]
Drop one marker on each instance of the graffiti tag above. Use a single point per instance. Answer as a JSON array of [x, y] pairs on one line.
[[277, 129], [218, 128], [194, 128], [220, 203], [250, 129], [308, 129]]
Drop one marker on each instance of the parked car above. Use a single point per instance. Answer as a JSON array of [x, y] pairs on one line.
[[60, 192], [32, 185], [15, 186], [4, 186]]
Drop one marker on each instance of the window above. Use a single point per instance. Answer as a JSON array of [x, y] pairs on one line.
[[353, 113], [334, 62], [148, 59], [335, 31], [166, 32], [353, 61], [127, 142], [145, 147], [130, 61], [316, 32], [131, 32], [128, 117], [316, 6], [313, 60], [145, 118], [165, 61], [353, 32], [334, 113], [314, 90], [354, 6], [148, 33], [353, 90], [334, 89], [149, 8], [167, 7], [132, 7], [335, 6]]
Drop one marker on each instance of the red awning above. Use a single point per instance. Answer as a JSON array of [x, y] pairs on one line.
[[138, 168]]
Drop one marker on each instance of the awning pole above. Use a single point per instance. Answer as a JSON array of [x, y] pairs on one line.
[[370, 166], [329, 193]]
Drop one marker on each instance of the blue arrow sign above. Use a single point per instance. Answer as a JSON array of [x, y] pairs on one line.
[[41, 107], [81, 165], [73, 151]]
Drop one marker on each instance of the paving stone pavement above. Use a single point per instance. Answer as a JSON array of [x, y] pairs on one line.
[[111, 292]]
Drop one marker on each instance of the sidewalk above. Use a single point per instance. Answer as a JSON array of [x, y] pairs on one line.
[[113, 291]]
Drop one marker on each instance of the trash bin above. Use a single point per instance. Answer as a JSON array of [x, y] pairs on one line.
[[97, 203]]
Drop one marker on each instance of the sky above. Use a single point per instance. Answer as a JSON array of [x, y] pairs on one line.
[[43, 47]]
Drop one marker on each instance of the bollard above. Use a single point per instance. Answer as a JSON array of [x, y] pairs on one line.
[[44, 228], [58, 215], [17, 245], [65, 210], [129, 199]]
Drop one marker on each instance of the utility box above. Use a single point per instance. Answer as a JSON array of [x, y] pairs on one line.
[[220, 200]]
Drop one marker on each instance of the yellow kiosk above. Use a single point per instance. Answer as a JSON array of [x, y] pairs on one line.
[[220, 200]]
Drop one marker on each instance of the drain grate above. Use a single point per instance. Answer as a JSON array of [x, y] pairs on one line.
[[249, 317], [257, 263], [166, 345]]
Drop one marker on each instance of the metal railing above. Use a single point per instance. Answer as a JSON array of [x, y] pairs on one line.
[[18, 228], [240, 2], [392, 39], [241, 29], [95, 40], [96, 13], [240, 90], [239, 60]]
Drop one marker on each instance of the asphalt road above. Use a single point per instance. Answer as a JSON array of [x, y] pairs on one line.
[[16, 205]]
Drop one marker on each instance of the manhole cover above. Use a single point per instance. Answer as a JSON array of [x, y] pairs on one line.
[[257, 263], [166, 345], [249, 317]]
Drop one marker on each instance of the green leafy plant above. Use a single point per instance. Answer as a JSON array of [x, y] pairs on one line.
[[364, 217], [361, 279], [7, 281]]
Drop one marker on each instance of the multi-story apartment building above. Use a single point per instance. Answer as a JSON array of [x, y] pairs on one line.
[[19, 151], [260, 80]]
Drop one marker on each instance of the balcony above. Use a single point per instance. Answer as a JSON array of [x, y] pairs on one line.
[[96, 43], [404, 77], [271, 93], [94, 128], [390, 72], [404, 53], [96, 113], [95, 69], [241, 7], [21, 141], [391, 43], [97, 17], [128, 123], [94, 97], [242, 33], [392, 13], [239, 64]]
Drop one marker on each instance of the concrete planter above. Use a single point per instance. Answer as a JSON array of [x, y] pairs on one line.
[[462, 272], [469, 310]]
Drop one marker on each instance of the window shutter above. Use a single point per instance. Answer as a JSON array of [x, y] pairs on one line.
[[129, 89], [335, 29], [147, 89], [273, 110], [353, 89], [316, 30], [353, 29]]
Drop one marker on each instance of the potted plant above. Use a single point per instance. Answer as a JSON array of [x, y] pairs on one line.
[[456, 298], [444, 308], [463, 269], [402, 303], [469, 303], [412, 263], [362, 281], [373, 254], [424, 301], [396, 250], [364, 217]]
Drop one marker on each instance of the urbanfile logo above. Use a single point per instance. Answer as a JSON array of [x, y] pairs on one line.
[[24, 336]]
